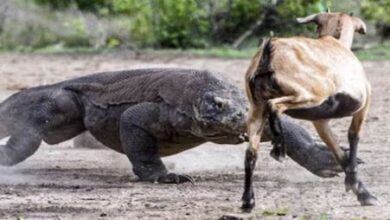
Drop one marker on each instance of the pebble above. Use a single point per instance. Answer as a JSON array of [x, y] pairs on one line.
[[238, 216]]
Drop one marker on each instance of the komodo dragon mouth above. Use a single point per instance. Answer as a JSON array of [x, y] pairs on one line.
[[243, 137]]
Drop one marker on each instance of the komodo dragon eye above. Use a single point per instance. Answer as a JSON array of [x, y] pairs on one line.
[[212, 105], [219, 103], [215, 101]]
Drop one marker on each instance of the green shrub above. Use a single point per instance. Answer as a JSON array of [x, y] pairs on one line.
[[85, 5], [376, 10], [165, 23], [232, 18], [29, 35], [180, 24], [77, 36], [112, 42], [290, 10], [141, 25], [154, 23]]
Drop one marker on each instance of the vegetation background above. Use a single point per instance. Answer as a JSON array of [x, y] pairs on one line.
[[89, 36], [205, 27]]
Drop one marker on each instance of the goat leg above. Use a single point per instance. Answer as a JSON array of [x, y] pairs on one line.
[[352, 181], [255, 129]]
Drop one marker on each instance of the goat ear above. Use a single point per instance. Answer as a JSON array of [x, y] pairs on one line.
[[359, 25], [309, 19]]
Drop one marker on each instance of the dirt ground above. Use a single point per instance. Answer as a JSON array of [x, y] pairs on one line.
[[64, 182]]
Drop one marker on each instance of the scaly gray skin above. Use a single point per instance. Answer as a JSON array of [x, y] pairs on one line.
[[145, 114]]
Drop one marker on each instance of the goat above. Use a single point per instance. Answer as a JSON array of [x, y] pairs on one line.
[[312, 79]]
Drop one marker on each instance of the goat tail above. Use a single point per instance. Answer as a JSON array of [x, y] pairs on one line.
[[265, 57], [260, 72]]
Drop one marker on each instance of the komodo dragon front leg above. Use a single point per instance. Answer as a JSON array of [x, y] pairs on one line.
[[138, 126]]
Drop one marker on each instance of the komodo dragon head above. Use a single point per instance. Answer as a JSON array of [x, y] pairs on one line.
[[220, 111]]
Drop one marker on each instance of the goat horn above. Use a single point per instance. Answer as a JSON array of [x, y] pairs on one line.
[[360, 26], [328, 10], [308, 19]]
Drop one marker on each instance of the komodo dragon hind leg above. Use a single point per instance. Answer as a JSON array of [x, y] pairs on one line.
[[279, 150], [4, 131], [141, 146], [24, 139], [20, 146]]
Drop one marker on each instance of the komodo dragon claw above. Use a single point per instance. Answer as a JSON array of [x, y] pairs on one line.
[[174, 178]]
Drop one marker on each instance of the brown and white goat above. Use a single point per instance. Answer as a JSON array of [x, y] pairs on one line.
[[313, 79]]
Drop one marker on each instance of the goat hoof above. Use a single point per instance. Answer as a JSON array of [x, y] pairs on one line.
[[351, 182], [366, 199], [247, 206], [277, 154], [353, 187], [248, 201], [364, 196]]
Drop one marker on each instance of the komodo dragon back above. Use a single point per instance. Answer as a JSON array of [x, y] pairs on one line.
[[175, 87]]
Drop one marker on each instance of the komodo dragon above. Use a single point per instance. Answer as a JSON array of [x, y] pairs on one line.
[[145, 114]]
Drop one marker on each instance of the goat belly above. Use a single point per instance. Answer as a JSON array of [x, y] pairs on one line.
[[335, 106]]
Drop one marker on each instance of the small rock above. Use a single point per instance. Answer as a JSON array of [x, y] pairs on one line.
[[238, 216], [88, 189], [374, 118], [103, 214]]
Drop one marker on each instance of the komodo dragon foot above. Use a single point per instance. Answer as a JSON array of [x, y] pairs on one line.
[[141, 146]]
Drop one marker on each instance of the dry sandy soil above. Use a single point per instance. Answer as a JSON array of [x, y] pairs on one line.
[[67, 182]]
